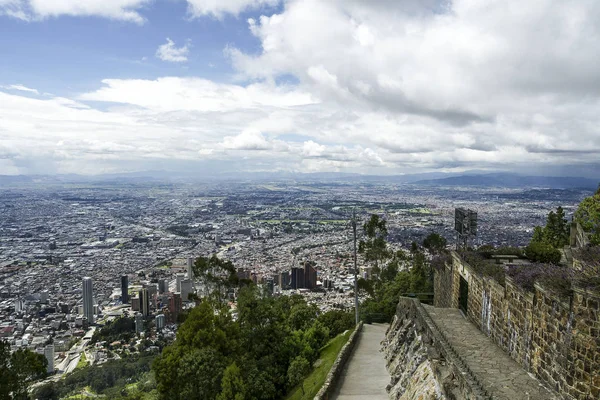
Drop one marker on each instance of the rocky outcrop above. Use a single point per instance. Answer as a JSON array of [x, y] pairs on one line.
[[408, 357]]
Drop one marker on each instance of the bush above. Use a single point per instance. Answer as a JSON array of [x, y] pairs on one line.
[[543, 253], [337, 321], [483, 266], [553, 277]]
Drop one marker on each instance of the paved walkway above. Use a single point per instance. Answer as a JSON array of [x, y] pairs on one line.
[[500, 375], [365, 375]]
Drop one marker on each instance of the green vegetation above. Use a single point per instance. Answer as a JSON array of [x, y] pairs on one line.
[[388, 283], [82, 361], [271, 338], [588, 215], [311, 385], [120, 329], [18, 370], [112, 379], [374, 248], [435, 243], [547, 240], [217, 275]]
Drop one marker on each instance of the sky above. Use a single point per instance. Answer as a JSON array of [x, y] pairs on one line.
[[372, 87]]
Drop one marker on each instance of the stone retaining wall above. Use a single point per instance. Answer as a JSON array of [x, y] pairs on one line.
[[338, 365], [555, 338]]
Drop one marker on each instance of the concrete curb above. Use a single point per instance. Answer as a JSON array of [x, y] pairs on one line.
[[338, 365]]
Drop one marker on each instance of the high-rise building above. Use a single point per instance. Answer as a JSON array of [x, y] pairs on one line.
[[270, 283], [178, 279], [174, 306], [190, 265], [284, 280], [310, 276], [49, 353], [187, 287], [152, 294], [160, 321], [124, 289], [144, 302], [163, 286], [139, 323], [88, 300], [297, 275]]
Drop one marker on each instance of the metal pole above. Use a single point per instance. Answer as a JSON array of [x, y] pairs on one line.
[[355, 268]]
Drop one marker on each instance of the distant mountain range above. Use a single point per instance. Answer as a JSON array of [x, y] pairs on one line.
[[513, 180], [472, 178]]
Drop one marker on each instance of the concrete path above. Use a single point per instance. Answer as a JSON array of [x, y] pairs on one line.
[[500, 375], [365, 376]]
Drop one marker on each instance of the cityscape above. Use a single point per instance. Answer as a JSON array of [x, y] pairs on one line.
[[73, 259], [299, 200]]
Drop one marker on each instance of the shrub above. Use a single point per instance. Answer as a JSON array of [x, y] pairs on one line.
[[543, 253], [552, 277], [484, 267]]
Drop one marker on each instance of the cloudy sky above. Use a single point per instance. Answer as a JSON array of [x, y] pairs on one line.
[[377, 87]]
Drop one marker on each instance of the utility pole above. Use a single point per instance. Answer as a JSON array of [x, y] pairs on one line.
[[355, 268]]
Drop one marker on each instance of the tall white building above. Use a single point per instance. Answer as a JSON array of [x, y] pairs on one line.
[[139, 323], [49, 353], [190, 271], [88, 300]]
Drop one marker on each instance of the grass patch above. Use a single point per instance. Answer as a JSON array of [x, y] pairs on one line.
[[82, 361], [316, 379]]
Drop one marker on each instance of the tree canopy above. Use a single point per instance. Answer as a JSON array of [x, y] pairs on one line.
[[267, 337], [18, 370], [546, 241], [588, 215], [374, 248]]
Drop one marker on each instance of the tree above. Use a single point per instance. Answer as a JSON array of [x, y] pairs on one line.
[[538, 234], [375, 247], [556, 231], [298, 369], [542, 252], [337, 321], [7, 378], [216, 275], [588, 215], [232, 385], [435, 243], [421, 274], [25, 367], [46, 392]]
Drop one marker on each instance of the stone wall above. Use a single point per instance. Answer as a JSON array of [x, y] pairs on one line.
[[555, 338], [421, 362], [441, 280]]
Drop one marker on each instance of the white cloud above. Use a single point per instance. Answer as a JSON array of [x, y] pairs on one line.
[[31, 10], [218, 8], [195, 94], [384, 86], [169, 52], [247, 140], [20, 88], [465, 84]]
